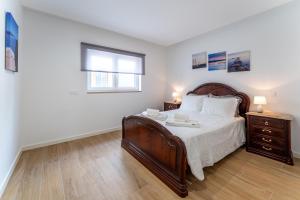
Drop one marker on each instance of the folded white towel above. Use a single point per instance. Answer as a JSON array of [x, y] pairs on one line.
[[190, 123], [180, 117], [152, 112], [159, 117]]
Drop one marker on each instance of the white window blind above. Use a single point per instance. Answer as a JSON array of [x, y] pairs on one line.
[[105, 59]]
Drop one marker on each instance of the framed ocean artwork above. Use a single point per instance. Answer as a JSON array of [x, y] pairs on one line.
[[217, 61], [238, 62], [11, 43], [199, 60]]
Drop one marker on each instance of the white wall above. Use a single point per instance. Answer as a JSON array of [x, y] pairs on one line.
[[274, 41], [53, 91], [9, 98], [54, 100]]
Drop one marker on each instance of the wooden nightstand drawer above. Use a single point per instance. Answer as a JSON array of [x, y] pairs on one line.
[[269, 149], [274, 141], [268, 122], [256, 129], [171, 105]]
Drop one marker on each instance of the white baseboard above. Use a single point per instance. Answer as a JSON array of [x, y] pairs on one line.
[[9, 174], [67, 139], [296, 154]]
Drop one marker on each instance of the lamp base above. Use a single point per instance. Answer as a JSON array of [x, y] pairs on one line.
[[259, 108]]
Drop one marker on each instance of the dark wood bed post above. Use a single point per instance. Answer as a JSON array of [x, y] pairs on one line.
[[159, 150]]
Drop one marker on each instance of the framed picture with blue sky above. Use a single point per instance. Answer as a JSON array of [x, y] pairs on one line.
[[217, 61], [11, 43], [238, 62]]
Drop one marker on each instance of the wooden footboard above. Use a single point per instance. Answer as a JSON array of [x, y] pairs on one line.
[[157, 149]]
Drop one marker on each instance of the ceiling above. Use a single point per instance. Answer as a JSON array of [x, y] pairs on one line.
[[163, 22]]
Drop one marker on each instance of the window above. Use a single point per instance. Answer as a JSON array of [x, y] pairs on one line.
[[112, 70], [113, 82]]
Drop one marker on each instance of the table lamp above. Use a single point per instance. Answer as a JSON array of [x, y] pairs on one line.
[[259, 101], [175, 96]]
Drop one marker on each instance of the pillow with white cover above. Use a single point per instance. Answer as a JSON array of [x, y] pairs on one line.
[[192, 103], [225, 107], [237, 112]]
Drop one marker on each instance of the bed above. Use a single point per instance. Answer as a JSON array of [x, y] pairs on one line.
[[166, 151]]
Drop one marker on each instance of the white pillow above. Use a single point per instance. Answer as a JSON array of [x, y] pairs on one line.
[[192, 103], [225, 107], [239, 99]]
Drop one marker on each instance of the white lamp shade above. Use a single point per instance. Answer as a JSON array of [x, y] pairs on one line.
[[260, 100], [175, 94]]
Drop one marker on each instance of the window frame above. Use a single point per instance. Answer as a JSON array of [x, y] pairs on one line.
[[115, 88]]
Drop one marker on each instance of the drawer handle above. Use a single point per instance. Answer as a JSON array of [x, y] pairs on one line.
[[266, 123], [267, 148], [266, 140], [267, 130]]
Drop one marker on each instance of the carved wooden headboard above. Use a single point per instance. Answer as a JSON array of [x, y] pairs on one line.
[[219, 89]]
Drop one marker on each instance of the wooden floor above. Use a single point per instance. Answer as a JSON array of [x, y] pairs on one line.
[[98, 168]]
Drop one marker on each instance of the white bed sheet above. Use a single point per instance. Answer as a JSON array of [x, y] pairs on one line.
[[216, 138]]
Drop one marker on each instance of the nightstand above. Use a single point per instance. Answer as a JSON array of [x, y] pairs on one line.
[[269, 135], [171, 105]]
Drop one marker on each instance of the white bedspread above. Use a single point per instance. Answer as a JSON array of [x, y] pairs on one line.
[[216, 138]]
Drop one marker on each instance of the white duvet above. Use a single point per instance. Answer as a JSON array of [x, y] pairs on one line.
[[216, 138]]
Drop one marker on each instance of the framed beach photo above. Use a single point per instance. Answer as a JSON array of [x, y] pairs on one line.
[[11, 43], [217, 61], [199, 60], [238, 62]]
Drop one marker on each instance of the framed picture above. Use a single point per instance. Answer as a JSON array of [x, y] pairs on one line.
[[199, 60], [217, 61], [11, 43], [238, 62]]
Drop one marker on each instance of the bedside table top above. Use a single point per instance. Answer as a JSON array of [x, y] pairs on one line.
[[272, 115], [173, 102]]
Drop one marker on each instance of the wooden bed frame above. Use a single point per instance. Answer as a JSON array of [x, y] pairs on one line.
[[159, 150]]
